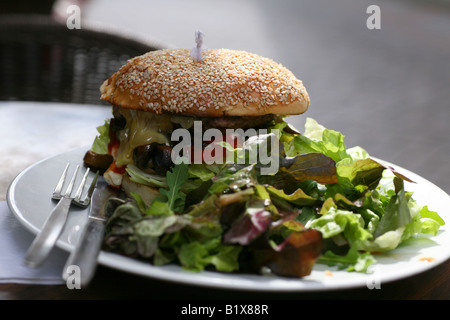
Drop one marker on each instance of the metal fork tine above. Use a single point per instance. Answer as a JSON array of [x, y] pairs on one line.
[[58, 188], [72, 182], [87, 198], [92, 186], [81, 187]]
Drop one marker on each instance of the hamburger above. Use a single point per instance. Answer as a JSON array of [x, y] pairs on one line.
[[158, 92]]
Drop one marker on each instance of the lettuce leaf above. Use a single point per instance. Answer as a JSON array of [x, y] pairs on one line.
[[317, 138], [302, 168], [396, 214], [101, 142], [147, 232], [312, 166], [251, 224], [298, 197], [351, 261], [159, 207], [430, 221], [145, 178], [202, 172], [196, 256], [341, 222], [365, 173], [175, 180]]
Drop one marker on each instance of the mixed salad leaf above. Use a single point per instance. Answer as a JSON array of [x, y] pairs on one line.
[[327, 204]]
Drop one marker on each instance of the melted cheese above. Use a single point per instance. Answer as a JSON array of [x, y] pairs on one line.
[[185, 122], [141, 128]]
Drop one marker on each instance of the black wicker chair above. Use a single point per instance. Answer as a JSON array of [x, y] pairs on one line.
[[42, 60]]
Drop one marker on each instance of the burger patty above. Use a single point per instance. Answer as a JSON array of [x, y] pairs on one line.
[[239, 122], [220, 123]]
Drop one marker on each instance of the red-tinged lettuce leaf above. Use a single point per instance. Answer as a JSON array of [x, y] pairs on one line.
[[251, 224], [399, 175], [247, 228], [310, 166], [295, 257]]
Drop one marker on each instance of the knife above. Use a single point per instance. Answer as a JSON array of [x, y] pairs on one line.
[[86, 251]]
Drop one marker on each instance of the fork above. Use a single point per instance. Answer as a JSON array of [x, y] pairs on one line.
[[53, 225]]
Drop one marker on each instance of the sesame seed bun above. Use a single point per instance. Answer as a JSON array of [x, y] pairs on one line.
[[223, 83]]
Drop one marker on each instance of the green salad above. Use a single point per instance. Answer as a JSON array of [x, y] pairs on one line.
[[327, 204]]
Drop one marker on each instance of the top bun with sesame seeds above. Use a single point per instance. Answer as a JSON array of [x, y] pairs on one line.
[[223, 83]]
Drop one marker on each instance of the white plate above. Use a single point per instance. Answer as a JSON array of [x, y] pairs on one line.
[[29, 199]]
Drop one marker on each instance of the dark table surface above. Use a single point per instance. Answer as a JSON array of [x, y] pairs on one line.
[[386, 90], [112, 284]]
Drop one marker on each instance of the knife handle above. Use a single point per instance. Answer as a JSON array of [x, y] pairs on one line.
[[86, 251]]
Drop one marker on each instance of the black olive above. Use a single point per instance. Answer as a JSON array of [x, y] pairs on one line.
[[119, 121], [97, 161], [142, 156], [117, 124], [162, 160]]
